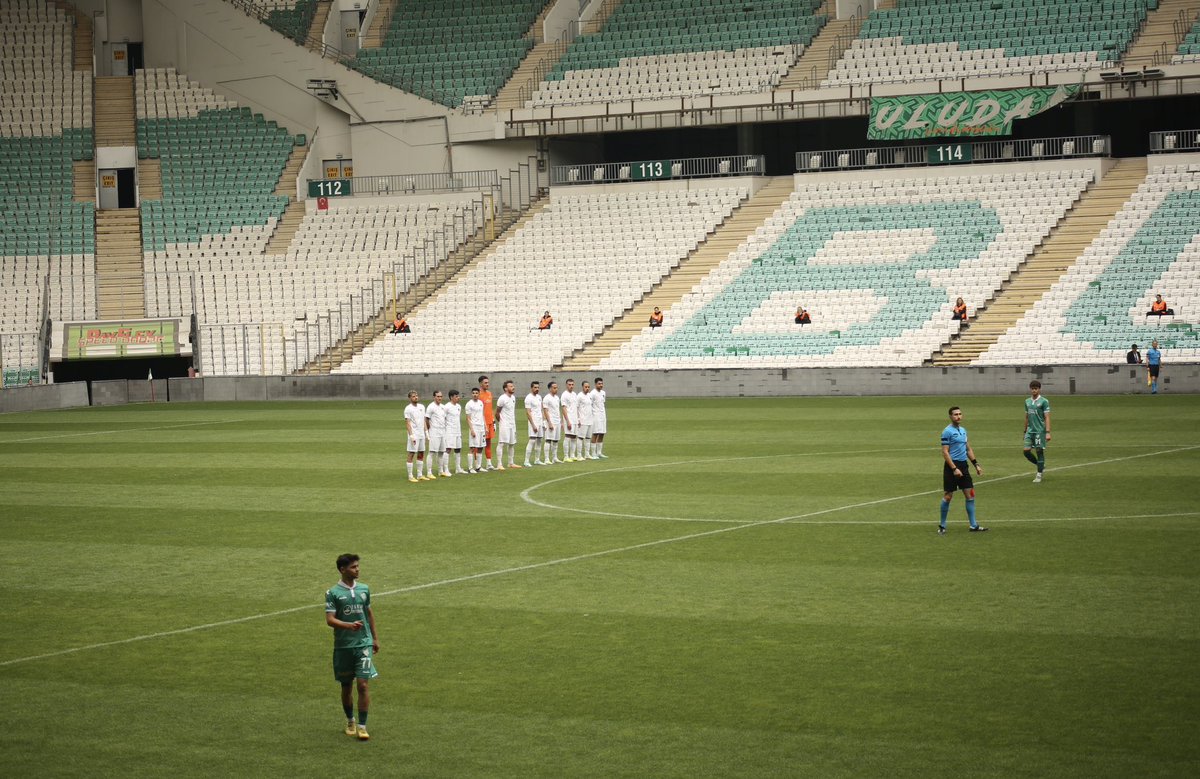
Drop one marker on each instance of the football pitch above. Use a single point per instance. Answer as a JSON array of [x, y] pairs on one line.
[[747, 587]]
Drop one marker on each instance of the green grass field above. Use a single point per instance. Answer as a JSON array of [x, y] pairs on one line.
[[749, 587]]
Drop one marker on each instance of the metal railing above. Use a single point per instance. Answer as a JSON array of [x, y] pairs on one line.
[[422, 183], [1069, 147], [653, 170], [1168, 141]]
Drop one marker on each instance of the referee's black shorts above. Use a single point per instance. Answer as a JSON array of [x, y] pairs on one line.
[[950, 482], [1153, 371]]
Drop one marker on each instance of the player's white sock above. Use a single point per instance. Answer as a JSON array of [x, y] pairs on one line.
[[410, 470], [529, 448], [458, 461], [587, 449], [429, 458], [445, 462], [599, 448]]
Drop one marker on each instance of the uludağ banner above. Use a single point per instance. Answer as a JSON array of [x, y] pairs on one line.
[[960, 114]]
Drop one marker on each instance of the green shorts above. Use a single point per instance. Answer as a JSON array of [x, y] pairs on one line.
[[1034, 440], [351, 664]]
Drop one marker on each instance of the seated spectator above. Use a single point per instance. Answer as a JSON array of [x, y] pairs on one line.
[[960, 311], [656, 318], [546, 321], [1133, 356], [400, 325], [1159, 308], [802, 317]]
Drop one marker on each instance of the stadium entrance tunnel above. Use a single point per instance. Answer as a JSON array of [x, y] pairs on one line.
[[158, 367]]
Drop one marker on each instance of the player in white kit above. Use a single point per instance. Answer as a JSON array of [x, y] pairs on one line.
[[435, 425], [586, 416], [506, 426], [570, 418], [453, 434], [414, 423], [536, 422], [552, 429], [600, 421], [476, 432]]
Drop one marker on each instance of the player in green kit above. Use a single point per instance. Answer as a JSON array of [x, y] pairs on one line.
[[1037, 428], [355, 641]]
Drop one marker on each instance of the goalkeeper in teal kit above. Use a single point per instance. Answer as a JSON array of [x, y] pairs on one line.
[[1037, 428], [355, 641]]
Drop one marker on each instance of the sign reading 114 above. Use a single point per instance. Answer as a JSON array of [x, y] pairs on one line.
[[949, 153]]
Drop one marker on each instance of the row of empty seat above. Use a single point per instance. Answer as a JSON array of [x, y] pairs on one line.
[[586, 257], [878, 264], [46, 239], [1098, 309], [447, 51]]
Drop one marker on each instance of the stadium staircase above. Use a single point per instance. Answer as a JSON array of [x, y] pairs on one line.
[[84, 171], [692, 269], [293, 215], [316, 29], [83, 36], [150, 178], [1157, 35], [543, 57], [380, 23], [826, 49], [486, 239], [1077, 229], [120, 285]]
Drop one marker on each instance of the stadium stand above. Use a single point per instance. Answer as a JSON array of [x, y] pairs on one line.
[[587, 256], [45, 125], [937, 39], [877, 262], [447, 50], [652, 49], [1189, 50], [1099, 307], [292, 18], [204, 143]]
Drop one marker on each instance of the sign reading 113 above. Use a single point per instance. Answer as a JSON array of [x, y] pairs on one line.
[[657, 169]]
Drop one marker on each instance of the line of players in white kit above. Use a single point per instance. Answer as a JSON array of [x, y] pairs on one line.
[[577, 420]]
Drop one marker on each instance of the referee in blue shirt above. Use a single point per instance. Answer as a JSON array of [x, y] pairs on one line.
[[956, 474]]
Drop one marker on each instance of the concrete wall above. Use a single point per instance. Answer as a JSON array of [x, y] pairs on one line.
[[43, 397], [782, 382], [384, 130]]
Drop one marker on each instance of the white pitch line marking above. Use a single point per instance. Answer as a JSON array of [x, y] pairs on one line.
[[122, 430], [555, 562], [526, 494]]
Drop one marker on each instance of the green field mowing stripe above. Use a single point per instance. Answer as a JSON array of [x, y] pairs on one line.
[[793, 613]]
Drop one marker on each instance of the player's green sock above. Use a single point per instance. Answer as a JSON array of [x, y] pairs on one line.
[[1029, 456], [362, 717], [1041, 460]]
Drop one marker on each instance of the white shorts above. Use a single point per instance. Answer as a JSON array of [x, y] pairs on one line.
[[454, 442], [417, 444], [534, 432], [569, 430], [553, 433], [600, 426], [478, 438], [437, 443], [507, 435], [582, 431]]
